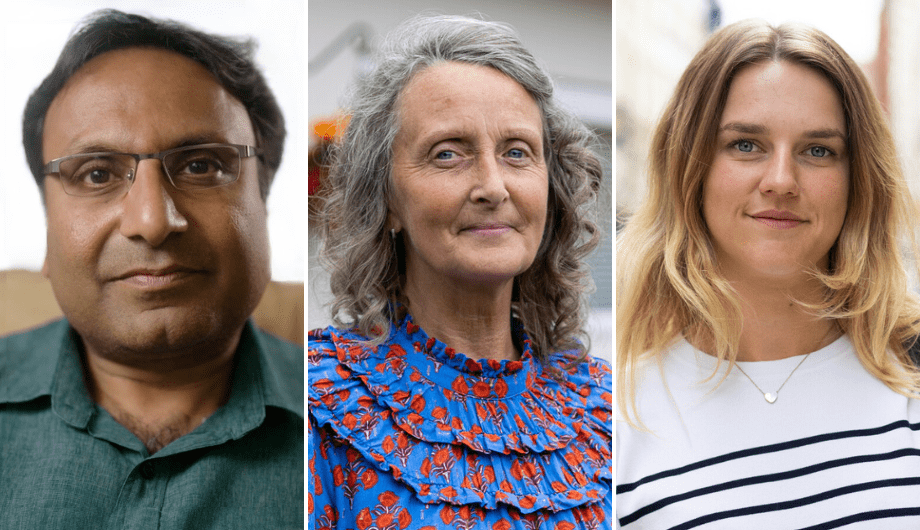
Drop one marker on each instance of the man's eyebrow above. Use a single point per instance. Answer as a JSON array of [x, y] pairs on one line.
[[754, 128], [185, 141]]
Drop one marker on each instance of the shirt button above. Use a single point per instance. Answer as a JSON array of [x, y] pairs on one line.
[[147, 470]]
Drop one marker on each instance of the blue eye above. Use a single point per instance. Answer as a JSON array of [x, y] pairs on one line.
[[516, 153], [819, 151], [445, 155], [744, 146]]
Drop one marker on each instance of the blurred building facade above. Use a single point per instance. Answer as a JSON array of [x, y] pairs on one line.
[[655, 42], [898, 76]]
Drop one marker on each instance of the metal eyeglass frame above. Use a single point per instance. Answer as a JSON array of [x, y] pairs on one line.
[[245, 151]]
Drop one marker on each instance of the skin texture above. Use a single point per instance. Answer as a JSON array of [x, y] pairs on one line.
[[469, 198], [157, 343], [781, 152]]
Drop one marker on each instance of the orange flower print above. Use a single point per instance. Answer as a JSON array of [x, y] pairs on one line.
[[527, 501], [502, 524], [396, 351], [442, 456], [473, 366], [364, 519], [366, 402], [481, 389], [404, 518], [388, 498], [500, 388], [369, 478], [459, 385], [447, 514], [350, 421], [388, 444], [418, 404], [401, 396], [343, 371], [449, 492]]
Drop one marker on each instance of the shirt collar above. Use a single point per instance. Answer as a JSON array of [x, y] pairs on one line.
[[46, 362]]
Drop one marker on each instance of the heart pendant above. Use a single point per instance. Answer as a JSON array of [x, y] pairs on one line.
[[771, 398]]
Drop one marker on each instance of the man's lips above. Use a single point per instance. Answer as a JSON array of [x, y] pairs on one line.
[[156, 276]]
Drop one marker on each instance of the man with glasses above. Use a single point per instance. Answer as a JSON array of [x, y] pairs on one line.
[[155, 402]]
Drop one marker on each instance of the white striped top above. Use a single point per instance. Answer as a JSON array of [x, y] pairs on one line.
[[837, 449]]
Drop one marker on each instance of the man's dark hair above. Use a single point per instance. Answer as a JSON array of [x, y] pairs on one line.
[[230, 61]]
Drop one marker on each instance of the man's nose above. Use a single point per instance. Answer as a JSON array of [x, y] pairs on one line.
[[148, 209]]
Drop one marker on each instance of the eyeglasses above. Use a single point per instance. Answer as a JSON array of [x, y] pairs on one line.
[[194, 167]]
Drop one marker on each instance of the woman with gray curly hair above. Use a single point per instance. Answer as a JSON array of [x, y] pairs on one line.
[[453, 391]]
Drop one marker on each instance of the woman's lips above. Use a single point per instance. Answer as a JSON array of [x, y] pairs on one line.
[[777, 219], [780, 224], [489, 230]]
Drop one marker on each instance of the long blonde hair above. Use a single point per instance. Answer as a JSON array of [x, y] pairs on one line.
[[668, 281]]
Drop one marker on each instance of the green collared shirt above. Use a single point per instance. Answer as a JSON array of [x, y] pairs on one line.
[[66, 463]]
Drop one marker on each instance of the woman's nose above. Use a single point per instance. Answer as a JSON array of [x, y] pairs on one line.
[[489, 186], [781, 177]]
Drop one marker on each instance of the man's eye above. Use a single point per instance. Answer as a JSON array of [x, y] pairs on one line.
[[199, 167], [516, 153], [98, 176], [445, 155]]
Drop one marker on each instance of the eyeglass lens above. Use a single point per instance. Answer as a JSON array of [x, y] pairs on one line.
[[189, 169]]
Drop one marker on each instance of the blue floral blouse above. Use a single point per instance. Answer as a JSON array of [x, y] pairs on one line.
[[412, 434]]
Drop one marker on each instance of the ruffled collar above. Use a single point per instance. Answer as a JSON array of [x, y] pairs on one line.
[[430, 415]]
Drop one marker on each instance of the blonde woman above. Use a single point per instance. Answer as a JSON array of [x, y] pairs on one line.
[[763, 307]]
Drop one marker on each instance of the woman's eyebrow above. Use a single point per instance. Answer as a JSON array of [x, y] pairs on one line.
[[753, 128], [746, 128]]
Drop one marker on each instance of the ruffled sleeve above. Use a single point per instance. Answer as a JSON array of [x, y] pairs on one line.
[[454, 430]]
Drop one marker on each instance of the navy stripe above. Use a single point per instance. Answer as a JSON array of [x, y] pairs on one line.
[[866, 516], [774, 448], [797, 503], [763, 479]]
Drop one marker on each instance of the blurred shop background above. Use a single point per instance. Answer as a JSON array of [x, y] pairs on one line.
[[656, 40], [572, 38]]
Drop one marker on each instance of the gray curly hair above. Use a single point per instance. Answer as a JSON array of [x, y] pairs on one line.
[[364, 265]]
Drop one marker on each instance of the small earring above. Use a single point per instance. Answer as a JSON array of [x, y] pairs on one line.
[[393, 234]]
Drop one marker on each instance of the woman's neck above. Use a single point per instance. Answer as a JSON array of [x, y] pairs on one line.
[[775, 325], [475, 322]]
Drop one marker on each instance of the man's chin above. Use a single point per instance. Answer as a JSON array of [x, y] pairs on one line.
[[163, 338]]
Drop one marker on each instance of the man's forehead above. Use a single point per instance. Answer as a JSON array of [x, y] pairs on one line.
[[137, 97]]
